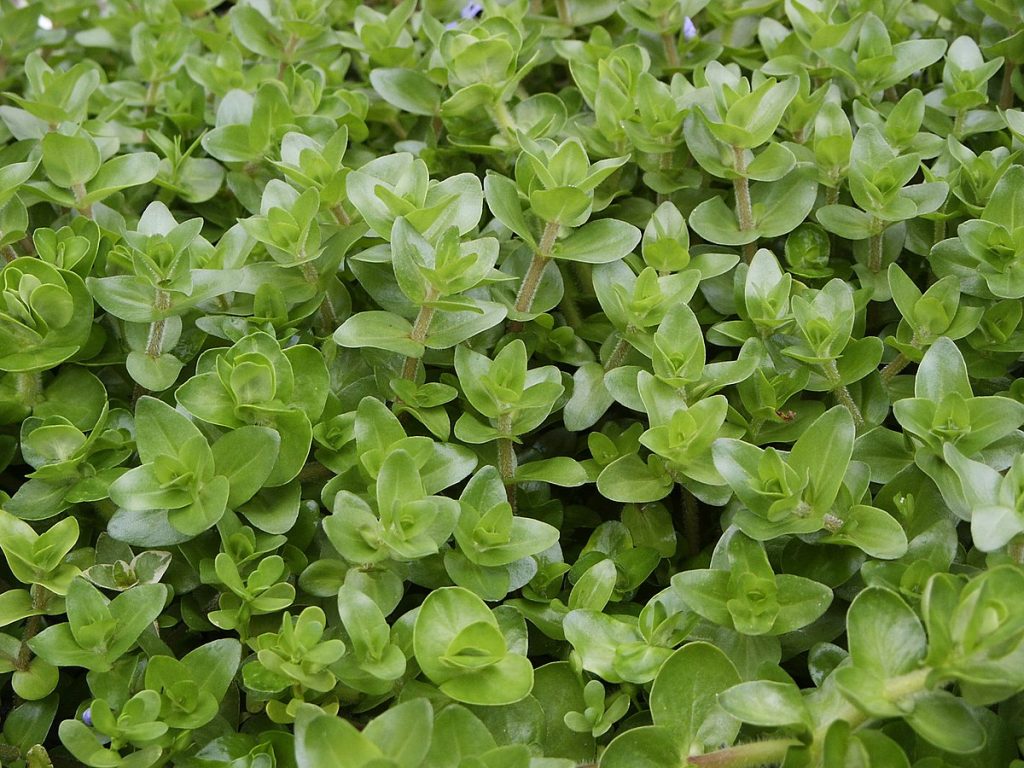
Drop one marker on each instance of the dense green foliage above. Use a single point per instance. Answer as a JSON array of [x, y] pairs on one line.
[[511, 385]]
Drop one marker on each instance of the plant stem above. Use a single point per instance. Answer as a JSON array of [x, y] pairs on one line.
[[314, 471], [503, 120], [875, 251], [398, 128], [668, 40], [1006, 90], [570, 305], [842, 393], [958, 123], [29, 387], [744, 208], [9, 254], [1015, 550], [832, 195], [749, 755], [907, 685], [846, 400], [757, 753], [507, 459], [37, 757], [896, 365], [155, 340], [288, 53], [691, 522], [40, 597], [938, 231], [563, 12], [618, 355], [340, 215], [328, 318], [150, 100], [85, 209], [419, 333], [528, 288], [664, 165]]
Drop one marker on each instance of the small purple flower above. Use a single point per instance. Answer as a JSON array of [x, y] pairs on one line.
[[689, 29], [87, 717], [471, 10]]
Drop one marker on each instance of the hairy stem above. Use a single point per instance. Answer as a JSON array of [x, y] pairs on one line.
[[570, 302], [751, 755], [528, 288], [842, 394], [309, 272], [773, 751], [896, 689], [938, 231], [287, 54], [328, 317], [564, 14], [744, 208], [40, 597], [907, 685], [958, 123], [668, 40], [409, 367], [155, 339], [1015, 550], [691, 522], [507, 462], [503, 120], [151, 94], [618, 355], [664, 165], [340, 215], [85, 209], [29, 387], [846, 400], [875, 251], [420, 329], [896, 365], [1006, 90]]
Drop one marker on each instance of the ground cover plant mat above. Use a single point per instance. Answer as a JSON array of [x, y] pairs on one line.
[[511, 384]]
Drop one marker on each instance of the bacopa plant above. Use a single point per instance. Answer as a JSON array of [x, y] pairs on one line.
[[511, 384]]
